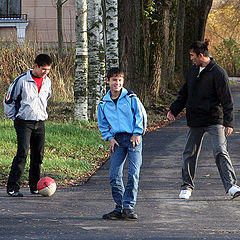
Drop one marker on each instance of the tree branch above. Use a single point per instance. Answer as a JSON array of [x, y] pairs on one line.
[[64, 2]]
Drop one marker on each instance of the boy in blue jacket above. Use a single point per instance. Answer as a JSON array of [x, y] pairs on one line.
[[122, 121]]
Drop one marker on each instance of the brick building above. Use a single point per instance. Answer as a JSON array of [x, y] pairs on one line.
[[36, 20]]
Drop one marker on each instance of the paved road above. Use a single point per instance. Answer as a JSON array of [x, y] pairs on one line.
[[75, 213]]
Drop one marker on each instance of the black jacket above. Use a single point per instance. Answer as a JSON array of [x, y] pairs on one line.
[[206, 96]]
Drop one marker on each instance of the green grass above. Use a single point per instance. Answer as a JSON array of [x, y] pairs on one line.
[[73, 151]]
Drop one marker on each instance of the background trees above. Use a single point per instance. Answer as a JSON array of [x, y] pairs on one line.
[[223, 29], [150, 44]]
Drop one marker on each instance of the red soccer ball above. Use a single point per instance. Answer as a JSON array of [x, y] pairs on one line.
[[46, 186]]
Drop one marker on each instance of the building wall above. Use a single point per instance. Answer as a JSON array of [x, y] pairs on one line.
[[42, 16]]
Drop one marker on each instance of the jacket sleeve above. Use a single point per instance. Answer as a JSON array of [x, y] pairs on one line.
[[225, 97], [103, 124], [140, 116], [180, 103], [11, 102], [50, 89]]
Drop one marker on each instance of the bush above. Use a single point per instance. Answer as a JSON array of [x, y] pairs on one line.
[[227, 54]]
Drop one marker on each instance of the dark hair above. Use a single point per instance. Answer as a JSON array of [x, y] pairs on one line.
[[115, 71], [200, 47], [43, 60]]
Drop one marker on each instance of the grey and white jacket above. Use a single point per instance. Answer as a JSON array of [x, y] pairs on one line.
[[24, 101]]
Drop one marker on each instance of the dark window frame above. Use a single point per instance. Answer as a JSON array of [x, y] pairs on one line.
[[7, 15]]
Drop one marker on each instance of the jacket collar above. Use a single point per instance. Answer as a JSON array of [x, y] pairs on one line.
[[211, 65], [29, 76], [107, 97]]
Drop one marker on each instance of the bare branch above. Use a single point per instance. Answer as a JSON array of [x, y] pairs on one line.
[[64, 2]]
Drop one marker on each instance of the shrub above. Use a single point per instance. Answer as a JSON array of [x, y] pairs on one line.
[[227, 54], [17, 58]]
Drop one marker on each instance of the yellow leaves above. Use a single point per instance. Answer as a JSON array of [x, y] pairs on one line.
[[223, 23]]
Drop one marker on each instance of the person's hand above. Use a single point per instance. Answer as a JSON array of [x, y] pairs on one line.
[[112, 143], [228, 131], [170, 116], [135, 140]]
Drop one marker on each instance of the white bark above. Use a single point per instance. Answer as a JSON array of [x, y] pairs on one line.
[[112, 56], [81, 81], [96, 60]]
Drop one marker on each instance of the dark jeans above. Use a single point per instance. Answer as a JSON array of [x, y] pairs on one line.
[[29, 133]]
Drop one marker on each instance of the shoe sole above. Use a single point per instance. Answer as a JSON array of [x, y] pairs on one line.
[[184, 198], [129, 219], [237, 194], [112, 218]]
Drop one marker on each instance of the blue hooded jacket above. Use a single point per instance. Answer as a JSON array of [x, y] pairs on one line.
[[127, 116]]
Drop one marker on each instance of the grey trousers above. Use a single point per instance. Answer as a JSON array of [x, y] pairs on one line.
[[222, 158]]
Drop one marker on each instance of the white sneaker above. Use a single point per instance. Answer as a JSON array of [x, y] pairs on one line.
[[185, 194], [234, 191]]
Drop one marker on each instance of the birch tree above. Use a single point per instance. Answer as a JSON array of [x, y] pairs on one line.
[[81, 81], [112, 59], [96, 60]]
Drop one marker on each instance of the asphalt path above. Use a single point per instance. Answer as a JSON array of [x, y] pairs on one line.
[[75, 212]]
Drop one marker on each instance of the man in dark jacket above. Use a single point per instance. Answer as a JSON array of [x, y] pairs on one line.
[[209, 108]]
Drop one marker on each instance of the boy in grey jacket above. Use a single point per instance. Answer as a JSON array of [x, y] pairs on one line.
[[26, 103]]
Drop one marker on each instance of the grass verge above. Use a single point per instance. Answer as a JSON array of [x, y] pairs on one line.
[[73, 151]]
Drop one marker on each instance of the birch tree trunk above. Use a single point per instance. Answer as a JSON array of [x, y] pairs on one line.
[[81, 81], [96, 57], [112, 56]]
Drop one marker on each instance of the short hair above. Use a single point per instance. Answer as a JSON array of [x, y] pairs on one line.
[[200, 47], [43, 60], [115, 71]]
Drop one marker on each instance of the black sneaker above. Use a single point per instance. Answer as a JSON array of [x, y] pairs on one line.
[[34, 192], [129, 214], [114, 215], [15, 193]]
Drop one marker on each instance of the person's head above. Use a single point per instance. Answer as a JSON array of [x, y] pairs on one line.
[[42, 65], [199, 53], [115, 79]]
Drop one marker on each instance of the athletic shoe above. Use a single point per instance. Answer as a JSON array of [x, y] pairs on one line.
[[234, 191], [15, 193], [34, 192], [114, 215], [185, 194], [129, 214]]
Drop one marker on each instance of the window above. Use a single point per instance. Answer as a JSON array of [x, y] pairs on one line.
[[10, 9]]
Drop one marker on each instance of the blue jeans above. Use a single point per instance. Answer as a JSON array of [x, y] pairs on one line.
[[125, 197]]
